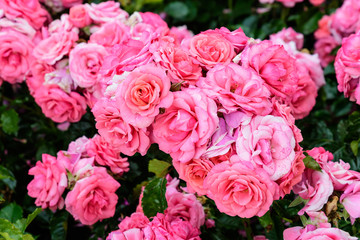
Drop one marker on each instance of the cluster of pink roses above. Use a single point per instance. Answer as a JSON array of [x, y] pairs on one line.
[[291, 3], [181, 220], [332, 29], [82, 169]]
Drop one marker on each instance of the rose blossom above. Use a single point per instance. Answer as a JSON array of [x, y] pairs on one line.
[[38, 70], [180, 33], [105, 155], [136, 220], [71, 3], [106, 12], [341, 175], [79, 146], [324, 27], [346, 19], [321, 156], [237, 88], [249, 191], [121, 135], [142, 94], [15, 56], [49, 182], [289, 3], [274, 64], [19, 25], [185, 128], [351, 200], [313, 66], [93, 198], [210, 49], [311, 233], [287, 35], [237, 37], [110, 34], [324, 47], [59, 105], [85, 62], [269, 143], [79, 16]]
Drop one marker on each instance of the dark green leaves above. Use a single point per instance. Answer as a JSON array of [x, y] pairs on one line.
[[160, 168], [7, 177], [58, 225], [177, 10], [311, 163], [11, 212], [154, 200], [10, 121]]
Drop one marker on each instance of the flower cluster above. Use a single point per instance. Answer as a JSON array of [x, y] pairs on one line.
[[291, 3]]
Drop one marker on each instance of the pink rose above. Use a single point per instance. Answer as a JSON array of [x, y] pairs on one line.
[[59, 105], [136, 220], [79, 146], [110, 34], [341, 175], [160, 228], [85, 62], [313, 66], [93, 198], [19, 25], [324, 27], [316, 187], [317, 2], [269, 143], [54, 48], [38, 70], [249, 192], [180, 33], [79, 16], [121, 135], [15, 56], [153, 19], [131, 234], [324, 47], [346, 19], [289, 3], [62, 25], [49, 182], [321, 156], [105, 155], [142, 94], [184, 206], [106, 12], [185, 128], [211, 48], [274, 64], [30, 10], [237, 89], [237, 38], [351, 200], [288, 35], [347, 67], [62, 78], [71, 3], [311, 233]]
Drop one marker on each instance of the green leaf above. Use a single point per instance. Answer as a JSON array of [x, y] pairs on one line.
[[10, 121], [299, 200], [154, 200], [11, 212], [177, 9], [266, 220], [9, 232], [23, 223], [160, 168], [59, 225], [7, 177], [355, 147], [311, 163], [312, 24]]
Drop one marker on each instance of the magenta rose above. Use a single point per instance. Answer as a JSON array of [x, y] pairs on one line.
[[59, 105], [249, 191], [15, 56], [211, 48], [79, 16], [105, 155], [49, 182], [185, 128], [30, 10], [142, 94], [110, 34], [93, 198], [121, 135], [237, 89], [85, 62]]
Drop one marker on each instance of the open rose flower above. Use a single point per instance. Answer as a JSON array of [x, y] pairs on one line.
[[79, 16], [106, 12], [142, 94], [93, 198], [351, 200], [310, 232], [249, 191], [185, 128]]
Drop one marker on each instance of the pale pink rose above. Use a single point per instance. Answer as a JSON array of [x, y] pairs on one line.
[[15, 56], [180, 33], [311, 233], [304, 98], [351, 200], [71, 3], [317, 2], [59, 105], [288, 35], [61, 77], [126, 57], [269, 143], [274, 64], [347, 67], [160, 228], [19, 25], [62, 25], [341, 175], [146, 33], [54, 48], [316, 187], [79, 146], [193, 173], [85, 62], [30, 10], [324, 47], [321, 156], [211, 48], [179, 64], [106, 12], [324, 27], [237, 37], [105, 155], [312, 64], [289, 3], [49, 182], [237, 89], [110, 34], [93, 198], [249, 191], [346, 19], [121, 135], [142, 94], [184, 206], [79, 16], [131, 234], [136, 220], [185, 128]]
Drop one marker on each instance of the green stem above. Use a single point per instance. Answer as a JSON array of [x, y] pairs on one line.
[[248, 230]]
